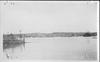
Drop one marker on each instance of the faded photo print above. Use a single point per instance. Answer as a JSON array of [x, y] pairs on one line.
[[49, 30]]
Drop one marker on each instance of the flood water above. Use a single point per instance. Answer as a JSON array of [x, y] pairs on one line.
[[58, 48]]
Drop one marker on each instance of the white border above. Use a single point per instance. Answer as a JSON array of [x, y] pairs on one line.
[[1, 32], [98, 30]]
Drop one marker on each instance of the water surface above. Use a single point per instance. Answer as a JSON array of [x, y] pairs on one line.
[[58, 48]]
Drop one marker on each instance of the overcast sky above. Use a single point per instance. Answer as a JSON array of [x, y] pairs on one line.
[[48, 17]]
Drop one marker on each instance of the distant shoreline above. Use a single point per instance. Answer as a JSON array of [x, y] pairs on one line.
[[55, 34]]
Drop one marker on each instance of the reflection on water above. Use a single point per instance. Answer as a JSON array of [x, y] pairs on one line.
[[53, 49], [10, 48], [11, 45]]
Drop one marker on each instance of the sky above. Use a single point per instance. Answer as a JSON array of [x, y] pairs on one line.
[[31, 17]]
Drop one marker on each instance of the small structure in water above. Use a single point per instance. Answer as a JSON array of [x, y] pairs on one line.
[[12, 39]]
